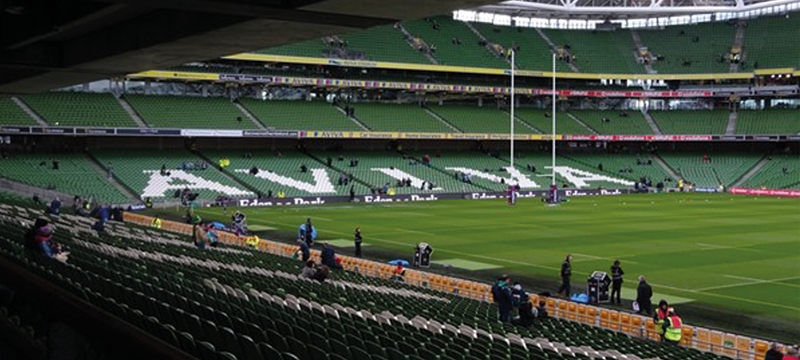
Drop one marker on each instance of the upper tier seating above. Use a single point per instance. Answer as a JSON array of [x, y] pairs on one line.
[[468, 53], [631, 124], [683, 55], [12, 114], [598, 51], [534, 53], [299, 115], [79, 109], [768, 122], [723, 169], [473, 119], [691, 122], [773, 176], [541, 120], [75, 176], [383, 43], [141, 171], [771, 42], [233, 303], [281, 172], [189, 112], [308, 48], [398, 117]]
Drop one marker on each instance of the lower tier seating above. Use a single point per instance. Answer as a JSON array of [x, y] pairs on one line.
[[780, 172], [233, 303], [719, 169], [74, 176], [141, 172]]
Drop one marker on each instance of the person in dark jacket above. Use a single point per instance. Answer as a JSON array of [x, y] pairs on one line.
[[643, 294], [358, 242], [566, 273], [305, 252], [774, 353], [616, 282], [501, 292], [522, 302], [329, 257]]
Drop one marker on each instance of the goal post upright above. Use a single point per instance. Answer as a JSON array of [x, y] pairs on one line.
[[513, 55], [553, 115]]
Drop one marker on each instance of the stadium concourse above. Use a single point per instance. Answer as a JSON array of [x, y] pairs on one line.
[[152, 191]]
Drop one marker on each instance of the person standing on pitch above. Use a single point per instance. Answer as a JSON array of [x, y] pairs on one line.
[[566, 273], [358, 242], [616, 282]]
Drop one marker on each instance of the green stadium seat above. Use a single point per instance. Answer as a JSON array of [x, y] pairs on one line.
[[299, 115], [79, 109], [188, 112], [12, 114]]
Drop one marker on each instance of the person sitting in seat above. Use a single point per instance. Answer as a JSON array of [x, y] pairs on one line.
[[37, 239], [309, 271], [55, 207]]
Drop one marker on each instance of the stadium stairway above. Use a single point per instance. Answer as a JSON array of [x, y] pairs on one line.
[[752, 172], [224, 171], [28, 110], [250, 115]]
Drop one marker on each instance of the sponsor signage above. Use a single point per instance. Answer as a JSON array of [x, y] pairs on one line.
[[386, 199], [34, 130], [765, 192]]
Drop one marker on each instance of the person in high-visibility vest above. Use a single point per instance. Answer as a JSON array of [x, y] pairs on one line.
[[672, 328], [156, 223], [660, 317]]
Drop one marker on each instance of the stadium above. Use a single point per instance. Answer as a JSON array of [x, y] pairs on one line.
[[448, 180]]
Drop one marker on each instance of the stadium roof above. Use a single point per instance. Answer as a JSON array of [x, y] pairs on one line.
[[46, 44], [616, 9]]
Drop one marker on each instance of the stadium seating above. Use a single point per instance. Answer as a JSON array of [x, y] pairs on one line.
[[771, 42], [544, 123], [79, 109], [12, 114], [299, 115], [473, 119], [534, 53], [309, 48], [768, 43], [598, 51], [615, 165], [723, 169], [773, 176], [768, 122], [691, 122], [383, 43], [493, 169], [75, 176], [233, 303], [468, 53], [141, 171], [398, 117], [188, 112], [683, 55], [278, 172], [632, 124], [374, 168]]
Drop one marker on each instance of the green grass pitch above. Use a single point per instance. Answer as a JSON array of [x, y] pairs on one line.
[[740, 255]]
